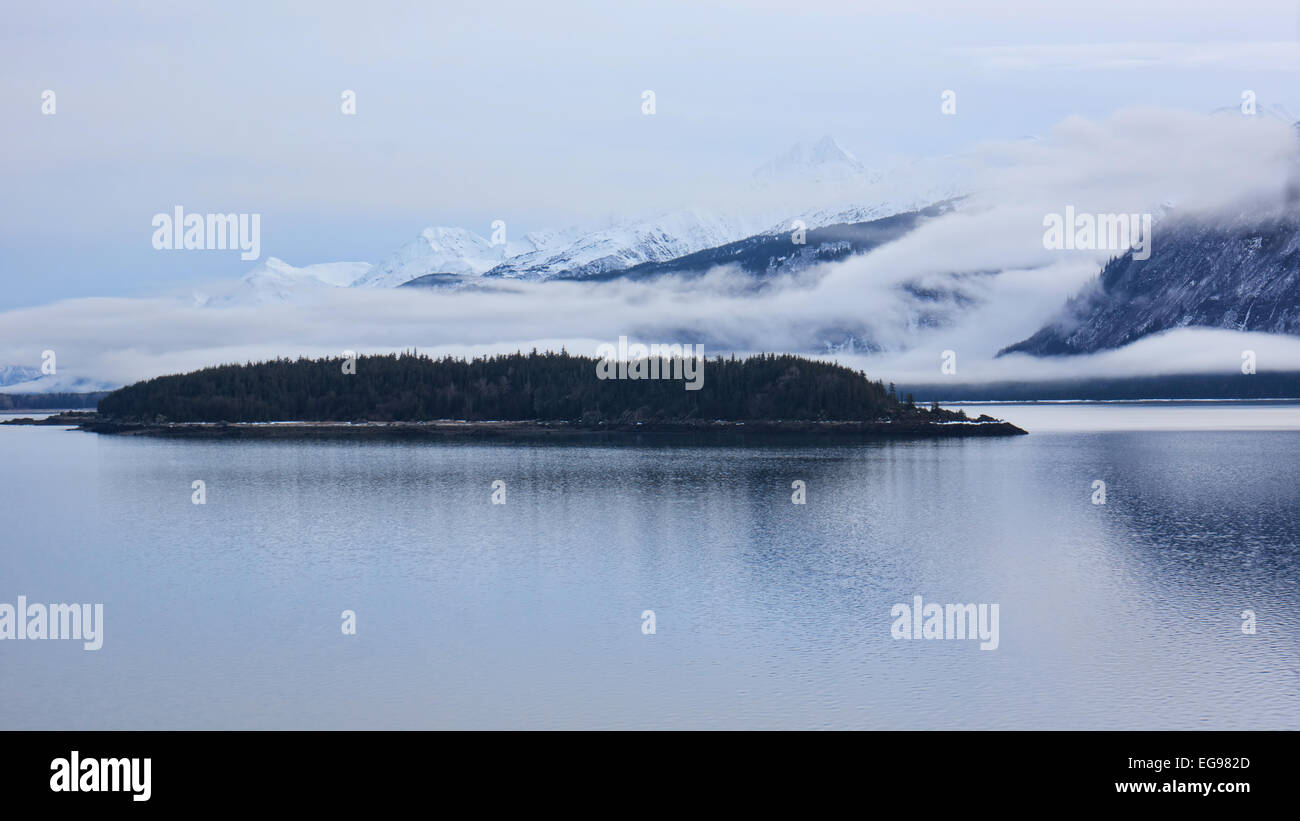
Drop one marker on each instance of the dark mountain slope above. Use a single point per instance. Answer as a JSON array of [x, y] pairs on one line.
[[771, 254], [1242, 276]]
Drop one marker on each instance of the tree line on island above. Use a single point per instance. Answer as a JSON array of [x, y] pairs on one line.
[[549, 386], [47, 401]]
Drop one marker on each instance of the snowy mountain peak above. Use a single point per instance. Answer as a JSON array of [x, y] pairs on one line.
[[16, 374], [278, 272], [1264, 111], [274, 264], [436, 250], [624, 244], [825, 159], [828, 150], [820, 182], [274, 280], [443, 239]]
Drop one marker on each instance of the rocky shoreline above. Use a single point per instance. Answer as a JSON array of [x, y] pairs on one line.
[[530, 430]]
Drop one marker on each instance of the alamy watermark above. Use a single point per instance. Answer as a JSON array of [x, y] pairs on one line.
[[638, 361], [951, 621], [78, 622], [1098, 232], [77, 774], [179, 231]]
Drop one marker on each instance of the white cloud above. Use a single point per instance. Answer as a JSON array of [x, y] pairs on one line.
[[991, 251]]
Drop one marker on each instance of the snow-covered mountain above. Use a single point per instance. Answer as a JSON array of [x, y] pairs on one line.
[[820, 183], [443, 250], [16, 374], [622, 245], [823, 161], [768, 256], [898, 187], [59, 383], [275, 280], [20, 379], [436, 250], [1239, 274]]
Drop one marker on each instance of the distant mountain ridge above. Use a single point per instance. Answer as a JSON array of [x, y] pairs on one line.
[[17, 374], [766, 258], [830, 186], [19, 379], [458, 251], [664, 237], [762, 256], [772, 253]]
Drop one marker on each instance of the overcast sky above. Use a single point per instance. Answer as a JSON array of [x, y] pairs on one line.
[[531, 112]]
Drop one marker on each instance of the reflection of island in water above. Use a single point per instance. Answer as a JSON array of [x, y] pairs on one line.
[[536, 395]]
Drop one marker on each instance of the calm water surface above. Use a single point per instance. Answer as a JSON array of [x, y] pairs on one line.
[[769, 614]]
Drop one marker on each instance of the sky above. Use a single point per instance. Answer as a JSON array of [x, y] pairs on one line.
[[1204, 165], [531, 113]]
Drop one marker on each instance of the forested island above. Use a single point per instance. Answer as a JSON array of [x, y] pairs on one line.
[[513, 395]]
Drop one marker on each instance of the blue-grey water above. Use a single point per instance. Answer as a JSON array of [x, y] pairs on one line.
[[767, 613]]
